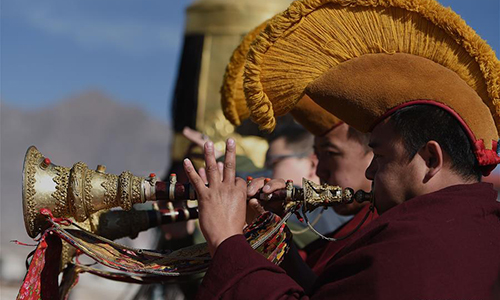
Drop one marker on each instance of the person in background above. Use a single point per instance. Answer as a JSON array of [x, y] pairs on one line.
[[342, 155], [291, 155]]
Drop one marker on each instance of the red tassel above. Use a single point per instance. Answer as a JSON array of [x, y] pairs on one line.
[[487, 158]]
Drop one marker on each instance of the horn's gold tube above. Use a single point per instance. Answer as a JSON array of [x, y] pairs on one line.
[[75, 192], [79, 192]]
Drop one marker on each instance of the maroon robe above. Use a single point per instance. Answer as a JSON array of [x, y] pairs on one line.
[[321, 251], [443, 245]]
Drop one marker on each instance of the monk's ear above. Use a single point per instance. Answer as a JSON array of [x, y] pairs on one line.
[[433, 156]]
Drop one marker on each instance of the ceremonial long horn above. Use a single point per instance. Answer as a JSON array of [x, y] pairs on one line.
[[116, 224], [78, 192]]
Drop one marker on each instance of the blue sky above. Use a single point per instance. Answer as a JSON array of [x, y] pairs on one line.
[[51, 49], [130, 49]]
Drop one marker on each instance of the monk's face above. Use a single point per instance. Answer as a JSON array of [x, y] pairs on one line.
[[395, 176], [342, 161]]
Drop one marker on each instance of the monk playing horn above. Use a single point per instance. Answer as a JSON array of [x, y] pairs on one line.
[[427, 88]]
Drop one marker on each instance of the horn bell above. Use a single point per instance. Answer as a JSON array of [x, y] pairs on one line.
[[75, 192]]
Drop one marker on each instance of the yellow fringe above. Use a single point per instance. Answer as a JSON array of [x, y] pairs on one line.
[[312, 36], [232, 97]]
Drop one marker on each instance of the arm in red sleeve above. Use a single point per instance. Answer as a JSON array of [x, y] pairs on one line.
[[297, 269], [239, 272]]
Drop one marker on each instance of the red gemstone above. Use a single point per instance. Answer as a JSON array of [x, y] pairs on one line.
[[152, 175], [46, 161]]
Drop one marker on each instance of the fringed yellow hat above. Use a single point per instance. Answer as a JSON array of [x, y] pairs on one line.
[[364, 59], [314, 118], [233, 100]]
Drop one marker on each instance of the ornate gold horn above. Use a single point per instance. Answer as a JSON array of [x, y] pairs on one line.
[[77, 192]]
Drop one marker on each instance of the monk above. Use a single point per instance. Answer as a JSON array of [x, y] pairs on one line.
[[343, 155], [437, 236], [427, 88]]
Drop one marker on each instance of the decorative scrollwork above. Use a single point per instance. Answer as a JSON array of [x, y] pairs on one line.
[[320, 195], [31, 160], [67, 254], [78, 190], [61, 194], [110, 190], [124, 189], [136, 189], [348, 193], [87, 199]]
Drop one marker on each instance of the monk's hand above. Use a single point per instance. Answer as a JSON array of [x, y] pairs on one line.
[[256, 206], [221, 204]]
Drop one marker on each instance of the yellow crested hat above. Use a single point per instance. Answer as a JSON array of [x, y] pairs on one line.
[[363, 59], [309, 114]]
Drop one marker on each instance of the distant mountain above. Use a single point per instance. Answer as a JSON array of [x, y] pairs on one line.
[[89, 127]]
